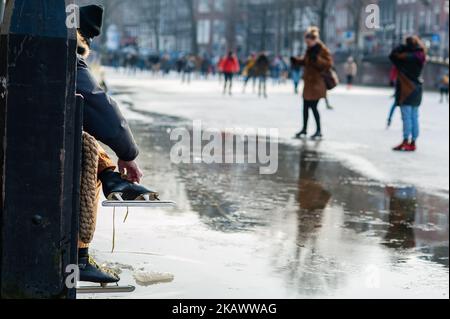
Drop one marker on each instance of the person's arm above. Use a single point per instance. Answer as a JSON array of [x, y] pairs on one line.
[[324, 60], [298, 61], [237, 66], [396, 55], [103, 119]]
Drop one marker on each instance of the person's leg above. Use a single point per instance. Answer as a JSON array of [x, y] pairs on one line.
[[407, 122], [104, 163], [225, 84], [296, 80], [96, 161], [231, 84], [260, 84], [246, 79], [415, 124], [315, 110], [265, 87], [306, 107], [407, 129], [296, 83]]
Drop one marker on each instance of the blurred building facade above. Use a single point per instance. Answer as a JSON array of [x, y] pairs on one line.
[[277, 26]]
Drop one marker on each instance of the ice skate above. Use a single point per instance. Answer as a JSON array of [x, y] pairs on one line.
[[412, 147], [405, 147], [301, 135], [91, 272], [108, 289], [122, 193], [103, 280], [316, 137]]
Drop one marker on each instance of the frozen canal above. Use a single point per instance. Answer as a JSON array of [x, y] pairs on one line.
[[315, 229]]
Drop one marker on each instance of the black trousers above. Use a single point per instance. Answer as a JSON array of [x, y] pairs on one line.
[[311, 105]]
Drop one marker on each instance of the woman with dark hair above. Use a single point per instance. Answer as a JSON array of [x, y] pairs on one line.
[[409, 59], [317, 60]]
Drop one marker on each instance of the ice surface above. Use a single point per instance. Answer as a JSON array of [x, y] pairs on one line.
[[355, 132], [359, 246]]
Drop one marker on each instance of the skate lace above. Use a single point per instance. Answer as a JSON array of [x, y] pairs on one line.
[[114, 228]]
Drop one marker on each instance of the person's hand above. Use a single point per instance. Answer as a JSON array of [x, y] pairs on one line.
[[131, 171]]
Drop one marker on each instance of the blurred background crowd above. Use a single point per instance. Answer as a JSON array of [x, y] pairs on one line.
[[192, 35]]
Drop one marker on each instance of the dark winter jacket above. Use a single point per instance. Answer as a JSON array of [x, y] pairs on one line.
[[410, 63], [262, 66], [102, 117]]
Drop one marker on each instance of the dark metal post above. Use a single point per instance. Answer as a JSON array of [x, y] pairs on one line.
[[39, 136]]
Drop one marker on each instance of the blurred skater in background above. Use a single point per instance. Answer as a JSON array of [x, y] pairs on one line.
[[410, 60]]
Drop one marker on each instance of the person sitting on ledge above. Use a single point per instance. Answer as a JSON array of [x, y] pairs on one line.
[[103, 122]]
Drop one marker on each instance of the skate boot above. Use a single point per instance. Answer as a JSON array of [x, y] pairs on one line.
[[301, 134], [404, 147], [317, 136], [90, 271], [412, 147], [117, 188]]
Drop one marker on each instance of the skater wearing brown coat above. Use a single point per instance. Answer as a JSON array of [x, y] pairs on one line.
[[317, 60]]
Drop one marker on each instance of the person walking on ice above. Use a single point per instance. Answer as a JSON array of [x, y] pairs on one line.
[[351, 71], [316, 61], [409, 59], [296, 74], [249, 72], [262, 68]]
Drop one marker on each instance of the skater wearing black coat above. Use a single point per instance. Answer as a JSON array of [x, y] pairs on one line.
[[409, 59], [262, 67]]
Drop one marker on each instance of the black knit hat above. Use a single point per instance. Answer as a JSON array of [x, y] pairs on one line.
[[91, 21]]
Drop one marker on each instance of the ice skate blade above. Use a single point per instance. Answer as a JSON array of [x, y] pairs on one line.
[[139, 203], [105, 290]]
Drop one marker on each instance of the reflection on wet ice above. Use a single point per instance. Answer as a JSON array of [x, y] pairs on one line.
[[322, 222]]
